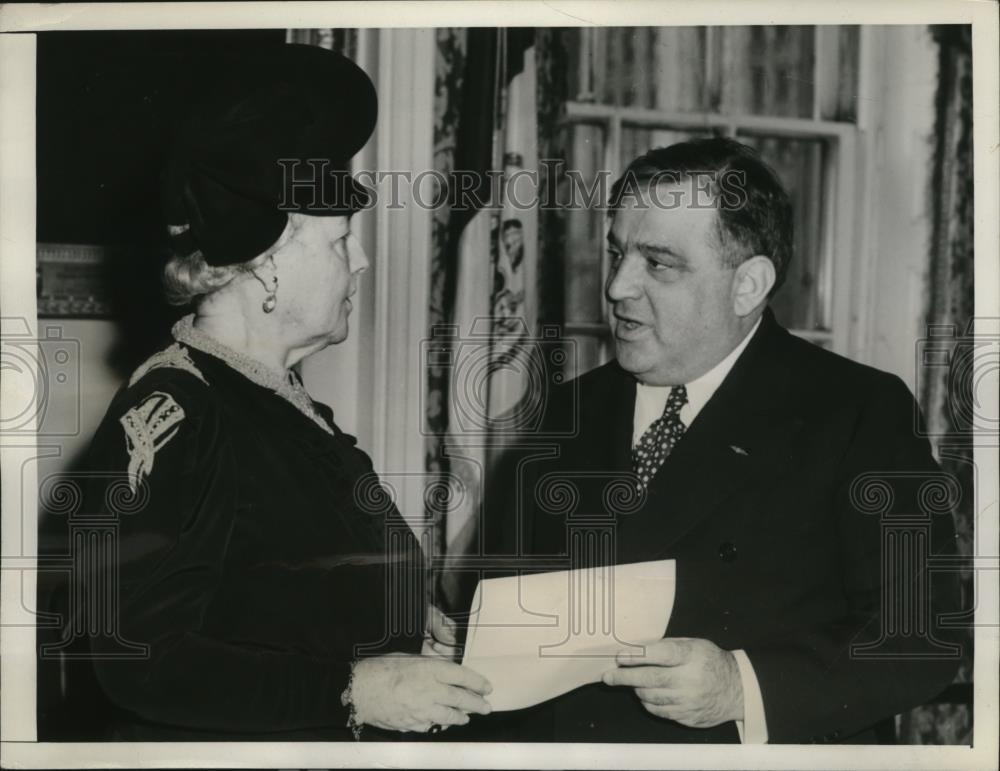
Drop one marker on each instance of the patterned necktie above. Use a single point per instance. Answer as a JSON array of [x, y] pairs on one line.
[[659, 439]]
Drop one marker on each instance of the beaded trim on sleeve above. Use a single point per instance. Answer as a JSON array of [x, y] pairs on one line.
[[347, 699], [175, 356], [284, 384]]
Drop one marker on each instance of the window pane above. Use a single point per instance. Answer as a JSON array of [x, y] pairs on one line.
[[639, 66], [637, 140], [766, 70], [680, 55], [623, 66], [800, 163], [756, 70], [761, 70], [837, 73], [847, 70]]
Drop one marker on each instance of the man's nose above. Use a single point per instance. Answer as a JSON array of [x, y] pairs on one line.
[[357, 259], [623, 281]]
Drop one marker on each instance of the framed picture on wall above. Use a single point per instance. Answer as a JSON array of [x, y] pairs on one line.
[[70, 281]]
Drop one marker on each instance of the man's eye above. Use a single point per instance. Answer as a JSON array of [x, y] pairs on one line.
[[660, 267], [614, 257]]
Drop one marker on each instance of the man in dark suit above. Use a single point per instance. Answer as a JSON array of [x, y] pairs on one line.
[[789, 484]]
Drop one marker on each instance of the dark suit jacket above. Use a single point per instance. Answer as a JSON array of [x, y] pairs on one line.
[[783, 504]]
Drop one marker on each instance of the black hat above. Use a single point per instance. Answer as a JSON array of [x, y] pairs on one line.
[[272, 134]]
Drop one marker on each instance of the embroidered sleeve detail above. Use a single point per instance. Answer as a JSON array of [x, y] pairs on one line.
[[148, 427], [175, 356]]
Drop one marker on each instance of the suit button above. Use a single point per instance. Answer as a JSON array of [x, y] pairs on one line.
[[727, 551]]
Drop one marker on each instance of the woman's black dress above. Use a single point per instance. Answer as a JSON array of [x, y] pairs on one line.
[[257, 556]]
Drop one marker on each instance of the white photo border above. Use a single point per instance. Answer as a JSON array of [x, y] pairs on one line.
[[17, 299]]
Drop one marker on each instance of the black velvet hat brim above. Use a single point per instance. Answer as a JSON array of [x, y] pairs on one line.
[[271, 135]]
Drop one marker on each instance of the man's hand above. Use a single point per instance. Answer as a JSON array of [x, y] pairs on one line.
[[691, 681]]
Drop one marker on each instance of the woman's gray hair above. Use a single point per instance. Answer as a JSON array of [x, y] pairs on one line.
[[187, 277]]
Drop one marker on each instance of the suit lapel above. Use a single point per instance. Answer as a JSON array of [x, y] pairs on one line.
[[607, 424], [740, 436]]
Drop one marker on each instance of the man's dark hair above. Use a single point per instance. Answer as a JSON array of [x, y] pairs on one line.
[[755, 213]]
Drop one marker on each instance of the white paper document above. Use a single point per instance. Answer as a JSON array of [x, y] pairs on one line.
[[537, 636]]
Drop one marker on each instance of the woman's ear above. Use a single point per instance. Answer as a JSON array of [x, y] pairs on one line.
[[753, 281], [263, 266]]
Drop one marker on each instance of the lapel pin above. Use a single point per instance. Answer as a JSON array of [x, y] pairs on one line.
[[738, 450]]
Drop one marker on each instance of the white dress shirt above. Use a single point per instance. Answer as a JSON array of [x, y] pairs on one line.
[[649, 404]]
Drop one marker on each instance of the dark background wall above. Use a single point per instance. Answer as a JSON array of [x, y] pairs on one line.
[[107, 104]]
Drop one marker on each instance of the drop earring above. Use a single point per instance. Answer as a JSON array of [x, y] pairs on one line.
[[271, 298]]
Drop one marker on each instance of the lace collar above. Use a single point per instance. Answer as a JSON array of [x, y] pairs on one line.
[[285, 384]]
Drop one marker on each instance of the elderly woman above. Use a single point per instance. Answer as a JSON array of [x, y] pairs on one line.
[[277, 596]]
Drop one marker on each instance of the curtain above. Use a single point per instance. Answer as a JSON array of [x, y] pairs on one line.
[[553, 63], [947, 392]]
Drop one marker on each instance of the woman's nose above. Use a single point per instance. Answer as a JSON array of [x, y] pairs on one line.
[[357, 259]]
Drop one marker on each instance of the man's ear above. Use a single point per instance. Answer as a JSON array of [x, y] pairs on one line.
[[751, 284]]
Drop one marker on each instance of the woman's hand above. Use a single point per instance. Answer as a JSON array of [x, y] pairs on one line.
[[413, 693], [440, 639]]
